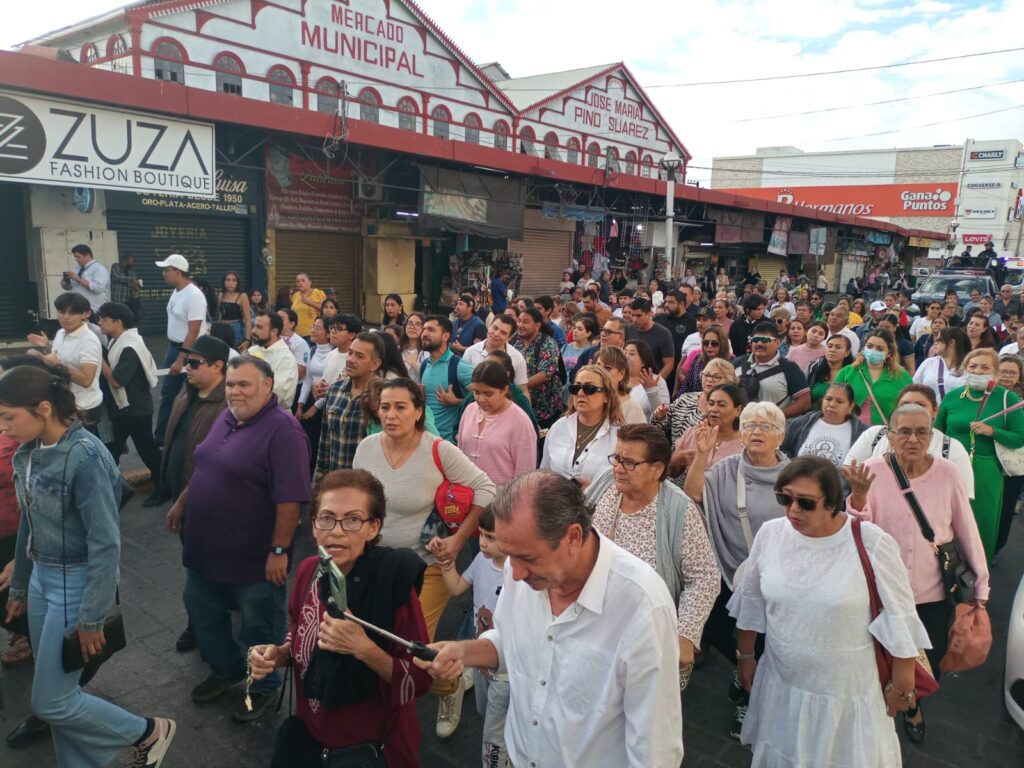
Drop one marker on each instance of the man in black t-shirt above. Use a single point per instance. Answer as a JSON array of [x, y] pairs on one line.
[[743, 327], [678, 321], [657, 336]]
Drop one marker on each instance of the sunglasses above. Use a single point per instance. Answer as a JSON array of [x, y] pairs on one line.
[[762, 339], [586, 389], [193, 363], [805, 503], [712, 343]]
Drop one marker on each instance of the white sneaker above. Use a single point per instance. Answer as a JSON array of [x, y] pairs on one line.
[[150, 753], [467, 680], [449, 712]]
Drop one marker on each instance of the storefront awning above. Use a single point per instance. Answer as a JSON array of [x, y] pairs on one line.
[[469, 203]]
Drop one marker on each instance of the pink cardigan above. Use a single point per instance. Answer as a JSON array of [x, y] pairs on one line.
[[945, 504], [506, 448]]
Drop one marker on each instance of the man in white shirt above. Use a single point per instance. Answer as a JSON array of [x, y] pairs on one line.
[[298, 345], [1014, 348], [186, 322], [498, 335], [91, 279], [266, 332], [342, 331], [838, 321], [586, 632]]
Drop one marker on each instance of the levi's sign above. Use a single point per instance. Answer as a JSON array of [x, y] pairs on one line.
[[74, 144]]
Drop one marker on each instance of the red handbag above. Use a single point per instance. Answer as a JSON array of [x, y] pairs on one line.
[[452, 500], [925, 683]]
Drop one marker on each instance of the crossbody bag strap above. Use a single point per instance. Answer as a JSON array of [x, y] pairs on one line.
[[871, 394], [63, 547], [869, 571], [908, 494], [942, 379], [741, 507], [437, 459]]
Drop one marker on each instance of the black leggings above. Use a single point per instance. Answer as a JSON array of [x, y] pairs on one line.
[[936, 618], [720, 629]]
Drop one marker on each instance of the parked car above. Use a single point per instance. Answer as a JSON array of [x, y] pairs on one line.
[[1013, 686], [935, 286]]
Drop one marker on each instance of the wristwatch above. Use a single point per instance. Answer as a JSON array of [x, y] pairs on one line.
[[278, 551]]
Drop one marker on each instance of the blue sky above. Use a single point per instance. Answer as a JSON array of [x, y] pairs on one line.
[[668, 42]]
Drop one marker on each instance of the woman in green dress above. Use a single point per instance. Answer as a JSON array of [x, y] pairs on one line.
[[962, 416], [822, 371], [876, 377]]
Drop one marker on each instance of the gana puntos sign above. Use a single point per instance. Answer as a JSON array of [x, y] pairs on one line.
[[890, 200], [74, 144]]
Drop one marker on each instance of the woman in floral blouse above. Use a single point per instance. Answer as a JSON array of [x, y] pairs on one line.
[[542, 366]]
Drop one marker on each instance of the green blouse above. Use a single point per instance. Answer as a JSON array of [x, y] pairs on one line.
[[887, 389], [957, 411]]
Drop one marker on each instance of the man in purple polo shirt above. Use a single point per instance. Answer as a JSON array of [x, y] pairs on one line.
[[241, 507]]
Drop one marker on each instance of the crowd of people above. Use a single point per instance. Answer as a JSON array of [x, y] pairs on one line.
[[627, 476]]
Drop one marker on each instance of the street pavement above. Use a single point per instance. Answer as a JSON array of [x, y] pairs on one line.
[[967, 723]]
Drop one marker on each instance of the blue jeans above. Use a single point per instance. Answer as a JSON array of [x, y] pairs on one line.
[[87, 730], [262, 609], [169, 388], [492, 703]]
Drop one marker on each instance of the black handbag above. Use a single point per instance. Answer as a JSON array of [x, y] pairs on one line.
[[957, 576]]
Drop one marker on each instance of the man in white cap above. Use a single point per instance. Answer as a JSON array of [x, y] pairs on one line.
[[878, 310], [186, 318]]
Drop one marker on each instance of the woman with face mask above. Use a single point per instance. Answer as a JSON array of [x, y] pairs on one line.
[[876, 377], [962, 415]]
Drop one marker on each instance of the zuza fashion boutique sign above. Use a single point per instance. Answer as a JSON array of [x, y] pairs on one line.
[[73, 144]]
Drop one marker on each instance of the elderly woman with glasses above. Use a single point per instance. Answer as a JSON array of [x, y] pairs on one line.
[[875, 495], [815, 695], [736, 498], [639, 511], [578, 444]]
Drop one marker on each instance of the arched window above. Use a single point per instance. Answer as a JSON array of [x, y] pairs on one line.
[[631, 162], [647, 170], [116, 46], [169, 62], [472, 129], [408, 114], [369, 105], [551, 146], [527, 141], [89, 54], [229, 74], [611, 159], [327, 92], [593, 154], [441, 118], [282, 86], [501, 135], [572, 154]]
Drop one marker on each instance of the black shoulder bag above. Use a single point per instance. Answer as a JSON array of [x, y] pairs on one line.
[[957, 577], [113, 627]]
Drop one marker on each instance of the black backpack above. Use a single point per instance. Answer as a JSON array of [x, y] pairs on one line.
[[750, 382]]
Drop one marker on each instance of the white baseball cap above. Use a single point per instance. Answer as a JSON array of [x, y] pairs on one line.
[[878, 306], [175, 260]]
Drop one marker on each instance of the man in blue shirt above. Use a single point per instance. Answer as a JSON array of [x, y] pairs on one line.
[[442, 399], [468, 328], [499, 293]]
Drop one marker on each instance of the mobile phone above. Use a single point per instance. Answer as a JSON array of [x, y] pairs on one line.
[[333, 592]]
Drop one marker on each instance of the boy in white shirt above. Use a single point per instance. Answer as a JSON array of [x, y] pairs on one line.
[[485, 575]]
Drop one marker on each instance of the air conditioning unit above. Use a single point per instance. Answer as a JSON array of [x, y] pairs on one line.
[[368, 189]]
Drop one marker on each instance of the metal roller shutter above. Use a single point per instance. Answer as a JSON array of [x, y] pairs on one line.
[[17, 294], [212, 246], [331, 259], [547, 251]]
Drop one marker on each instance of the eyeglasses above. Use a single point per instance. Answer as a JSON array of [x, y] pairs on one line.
[[627, 464], [903, 433], [712, 343], [609, 331], [194, 363], [349, 524], [762, 339], [781, 321], [715, 377], [764, 426], [806, 503], [586, 389]]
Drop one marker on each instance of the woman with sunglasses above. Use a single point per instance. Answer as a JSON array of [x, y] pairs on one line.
[[804, 589], [578, 444], [876, 496], [635, 507], [876, 377], [828, 433], [646, 388], [811, 347], [689, 408], [714, 343], [736, 498], [725, 403]]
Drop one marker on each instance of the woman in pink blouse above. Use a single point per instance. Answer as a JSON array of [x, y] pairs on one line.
[[494, 432], [875, 496]]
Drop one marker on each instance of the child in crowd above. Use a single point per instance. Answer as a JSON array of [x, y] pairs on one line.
[[485, 575]]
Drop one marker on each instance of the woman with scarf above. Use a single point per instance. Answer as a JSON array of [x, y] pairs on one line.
[[962, 415], [354, 691], [736, 497]]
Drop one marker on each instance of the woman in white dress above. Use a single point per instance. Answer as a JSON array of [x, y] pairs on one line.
[[942, 371], [815, 696]]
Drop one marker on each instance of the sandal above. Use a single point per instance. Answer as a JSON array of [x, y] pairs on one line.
[[20, 653]]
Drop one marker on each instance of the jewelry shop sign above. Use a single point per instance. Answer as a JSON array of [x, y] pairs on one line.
[[75, 144]]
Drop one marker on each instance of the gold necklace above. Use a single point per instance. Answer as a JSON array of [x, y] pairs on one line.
[[395, 463], [967, 394]]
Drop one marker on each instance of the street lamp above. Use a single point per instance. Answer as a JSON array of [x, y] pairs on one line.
[[670, 163]]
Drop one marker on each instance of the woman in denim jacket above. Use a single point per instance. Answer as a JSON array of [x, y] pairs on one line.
[[66, 567]]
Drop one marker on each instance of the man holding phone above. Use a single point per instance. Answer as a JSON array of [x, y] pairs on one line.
[[91, 279]]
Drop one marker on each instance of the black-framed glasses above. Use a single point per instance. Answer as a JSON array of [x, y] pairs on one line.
[[806, 503], [762, 339], [609, 331], [586, 389], [626, 463], [194, 362], [711, 343], [351, 524], [781, 321]]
